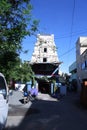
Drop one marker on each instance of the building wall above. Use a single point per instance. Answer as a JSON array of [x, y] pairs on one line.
[[73, 71], [45, 50], [72, 67], [81, 57]]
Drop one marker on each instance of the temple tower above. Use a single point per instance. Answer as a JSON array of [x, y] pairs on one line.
[[45, 50]]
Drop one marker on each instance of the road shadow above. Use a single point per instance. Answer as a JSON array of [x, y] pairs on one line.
[[53, 115], [22, 101]]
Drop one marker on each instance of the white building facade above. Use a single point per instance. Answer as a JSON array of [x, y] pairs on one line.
[[73, 71], [81, 60], [45, 62], [45, 50]]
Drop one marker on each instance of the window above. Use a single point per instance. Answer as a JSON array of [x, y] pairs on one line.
[[44, 59], [86, 63], [3, 90], [45, 49], [2, 83], [83, 65]]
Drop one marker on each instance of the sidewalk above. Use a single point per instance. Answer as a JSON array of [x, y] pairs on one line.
[[15, 114]]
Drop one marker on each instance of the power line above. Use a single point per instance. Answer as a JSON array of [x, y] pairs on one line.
[[67, 52], [73, 12], [73, 34], [72, 21], [71, 49]]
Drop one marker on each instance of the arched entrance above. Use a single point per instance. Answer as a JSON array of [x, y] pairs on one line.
[[44, 87]]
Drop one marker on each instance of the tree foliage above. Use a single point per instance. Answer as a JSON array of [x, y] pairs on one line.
[[23, 72], [15, 23]]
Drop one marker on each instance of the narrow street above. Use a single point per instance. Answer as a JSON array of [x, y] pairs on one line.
[[46, 113]]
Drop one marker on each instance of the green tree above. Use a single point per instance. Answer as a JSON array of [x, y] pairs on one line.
[[23, 72], [15, 23]]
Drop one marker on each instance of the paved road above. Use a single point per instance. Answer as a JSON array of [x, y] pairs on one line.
[[47, 113]]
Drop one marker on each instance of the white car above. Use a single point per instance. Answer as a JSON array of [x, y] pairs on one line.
[[3, 101]]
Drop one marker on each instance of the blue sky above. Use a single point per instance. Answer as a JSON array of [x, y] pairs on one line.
[[66, 19]]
